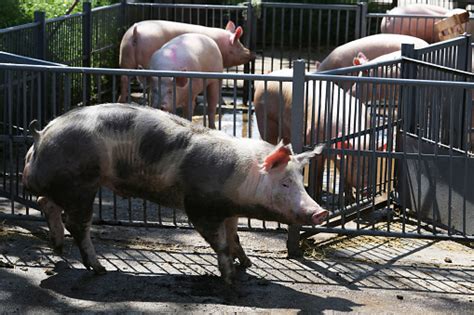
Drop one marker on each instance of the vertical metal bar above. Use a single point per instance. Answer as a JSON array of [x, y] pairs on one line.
[[205, 103], [234, 122], [297, 115], [40, 17], [264, 36], [248, 40], [10, 140], [361, 20], [86, 47], [290, 44]]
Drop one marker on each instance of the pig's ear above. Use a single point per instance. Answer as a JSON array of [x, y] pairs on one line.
[[230, 27], [278, 158], [303, 158], [235, 36], [360, 59], [142, 79], [317, 64]]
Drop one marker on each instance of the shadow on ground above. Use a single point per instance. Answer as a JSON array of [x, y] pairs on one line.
[[247, 290]]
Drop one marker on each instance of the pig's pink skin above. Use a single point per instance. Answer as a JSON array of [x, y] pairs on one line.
[[187, 52], [271, 100], [144, 38], [366, 92], [420, 27], [372, 46]]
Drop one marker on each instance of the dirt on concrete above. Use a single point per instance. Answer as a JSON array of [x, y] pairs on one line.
[[173, 270]]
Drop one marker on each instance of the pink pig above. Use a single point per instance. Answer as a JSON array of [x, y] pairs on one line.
[[187, 52], [421, 25], [144, 38], [349, 116], [372, 46], [372, 92]]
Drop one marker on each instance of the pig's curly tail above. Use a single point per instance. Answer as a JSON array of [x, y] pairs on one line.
[[33, 128]]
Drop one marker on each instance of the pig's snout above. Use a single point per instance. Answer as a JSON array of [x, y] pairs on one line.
[[319, 216]]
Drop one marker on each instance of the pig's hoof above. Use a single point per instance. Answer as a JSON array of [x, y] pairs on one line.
[[245, 263], [57, 249], [228, 280], [99, 270]]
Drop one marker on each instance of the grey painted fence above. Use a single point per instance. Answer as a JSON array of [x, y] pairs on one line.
[[394, 189]]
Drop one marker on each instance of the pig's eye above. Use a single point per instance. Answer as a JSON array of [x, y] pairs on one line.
[[286, 183]]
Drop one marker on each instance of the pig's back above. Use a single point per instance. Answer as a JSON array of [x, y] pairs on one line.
[[191, 52], [372, 46]]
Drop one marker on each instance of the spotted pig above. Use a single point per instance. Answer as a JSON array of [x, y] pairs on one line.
[[144, 152]]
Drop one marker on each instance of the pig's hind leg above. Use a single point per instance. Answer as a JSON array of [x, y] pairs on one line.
[[78, 223], [56, 227], [236, 250]]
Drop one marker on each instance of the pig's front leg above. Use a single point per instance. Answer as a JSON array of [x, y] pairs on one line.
[[215, 235], [213, 90], [203, 215], [236, 250]]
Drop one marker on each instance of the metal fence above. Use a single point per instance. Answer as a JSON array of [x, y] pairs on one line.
[[383, 137], [380, 159]]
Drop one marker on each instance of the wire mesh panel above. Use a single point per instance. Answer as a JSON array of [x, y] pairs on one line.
[[418, 179], [206, 15], [436, 168], [64, 40], [287, 32], [107, 31], [27, 46]]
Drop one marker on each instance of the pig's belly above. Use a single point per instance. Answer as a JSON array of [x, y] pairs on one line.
[[169, 196]]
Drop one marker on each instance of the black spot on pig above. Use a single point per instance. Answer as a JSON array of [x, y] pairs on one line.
[[157, 142], [67, 161], [208, 208], [122, 169], [208, 165], [121, 121]]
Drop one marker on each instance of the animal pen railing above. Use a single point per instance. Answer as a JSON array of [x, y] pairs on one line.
[[374, 169], [387, 156]]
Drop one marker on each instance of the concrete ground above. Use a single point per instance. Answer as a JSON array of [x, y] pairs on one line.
[[173, 270]]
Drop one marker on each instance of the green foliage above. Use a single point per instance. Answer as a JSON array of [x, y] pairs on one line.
[[16, 12], [12, 14]]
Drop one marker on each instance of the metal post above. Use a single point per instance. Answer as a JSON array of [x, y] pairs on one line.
[[409, 72], [40, 17], [86, 34], [297, 126], [123, 16], [464, 53], [248, 42], [361, 24], [86, 47]]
